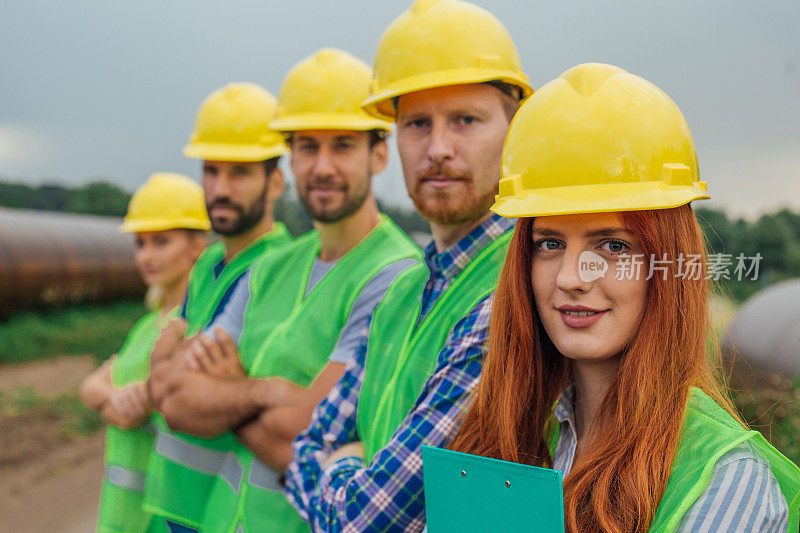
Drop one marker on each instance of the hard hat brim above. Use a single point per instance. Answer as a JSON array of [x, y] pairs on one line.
[[233, 152], [380, 104], [141, 226], [598, 198], [329, 121]]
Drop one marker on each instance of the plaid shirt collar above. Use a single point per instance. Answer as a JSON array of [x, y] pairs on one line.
[[450, 262]]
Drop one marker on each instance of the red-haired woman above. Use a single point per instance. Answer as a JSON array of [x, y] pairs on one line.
[[597, 362]]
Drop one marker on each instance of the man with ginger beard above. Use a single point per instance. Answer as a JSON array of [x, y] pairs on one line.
[[358, 466]]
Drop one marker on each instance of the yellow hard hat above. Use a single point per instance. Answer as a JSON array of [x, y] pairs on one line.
[[324, 92], [166, 201], [438, 43], [232, 126], [597, 139]]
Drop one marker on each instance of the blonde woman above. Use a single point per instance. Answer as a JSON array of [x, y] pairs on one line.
[[167, 217]]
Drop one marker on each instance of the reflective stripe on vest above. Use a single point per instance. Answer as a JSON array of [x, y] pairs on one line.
[[177, 489], [201, 459], [290, 333], [125, 478], [232, 471], [264, 477], [128, 451]]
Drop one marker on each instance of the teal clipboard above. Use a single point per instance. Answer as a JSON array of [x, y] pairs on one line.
[[466, 492]]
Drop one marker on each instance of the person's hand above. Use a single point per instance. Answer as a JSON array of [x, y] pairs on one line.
[[218, 357], [168, 341], [353, 449], [131, 401]]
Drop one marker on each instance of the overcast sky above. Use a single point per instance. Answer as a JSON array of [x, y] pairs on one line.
[[109, 89]]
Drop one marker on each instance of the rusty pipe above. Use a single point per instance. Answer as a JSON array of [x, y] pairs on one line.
[[50, 259]]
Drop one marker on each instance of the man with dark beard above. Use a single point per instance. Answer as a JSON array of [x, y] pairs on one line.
[[448, 74], [260, 369], [241, 181]]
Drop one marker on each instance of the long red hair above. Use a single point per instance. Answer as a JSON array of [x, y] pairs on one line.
[[617, 483]]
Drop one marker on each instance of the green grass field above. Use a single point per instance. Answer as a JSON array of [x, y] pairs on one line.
[[65, 409], [774, 410], [97, 330]]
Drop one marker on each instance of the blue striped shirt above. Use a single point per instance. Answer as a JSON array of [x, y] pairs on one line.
[[742, 495]]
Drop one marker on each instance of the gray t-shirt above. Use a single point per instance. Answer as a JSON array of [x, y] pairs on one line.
[[318, 272], [232, 319]]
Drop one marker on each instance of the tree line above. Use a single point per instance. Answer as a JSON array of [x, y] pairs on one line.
[[105, 198], [95, 198], [774, 236]]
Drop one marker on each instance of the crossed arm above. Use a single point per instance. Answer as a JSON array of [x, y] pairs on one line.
[[125, 407], [328, 481], [270, 435], [200, 387]]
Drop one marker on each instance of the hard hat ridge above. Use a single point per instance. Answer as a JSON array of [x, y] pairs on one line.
[[597, 139], [232, 125], [324, 92], [437, 43]]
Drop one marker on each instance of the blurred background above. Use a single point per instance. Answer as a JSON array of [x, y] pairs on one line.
[[98, 95]]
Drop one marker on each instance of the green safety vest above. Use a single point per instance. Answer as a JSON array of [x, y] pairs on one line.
[[291, 335], [708, 433], [402, 351], [183, 468], [696, 457], [128, 450]]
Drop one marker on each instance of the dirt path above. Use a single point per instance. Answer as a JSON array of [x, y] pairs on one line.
[[49, 481], [58, 492], [49, 377]]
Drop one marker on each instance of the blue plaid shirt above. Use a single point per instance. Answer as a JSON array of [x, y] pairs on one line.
[[386, 495]]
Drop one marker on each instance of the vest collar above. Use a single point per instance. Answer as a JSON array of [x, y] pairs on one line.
[[450, 262]]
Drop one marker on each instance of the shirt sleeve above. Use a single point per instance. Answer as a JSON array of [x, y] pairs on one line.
[[387, 494], [368, 299], [231, 318], [742, 495], [333, 424]]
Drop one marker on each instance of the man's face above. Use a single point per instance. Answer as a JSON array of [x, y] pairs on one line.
[[236, 195], [450, 141], [333, 171]]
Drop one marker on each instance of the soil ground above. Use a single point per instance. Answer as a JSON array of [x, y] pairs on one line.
[[49, 481]]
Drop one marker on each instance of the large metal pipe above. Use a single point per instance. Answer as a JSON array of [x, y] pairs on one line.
[[765, 329], [51, 259]]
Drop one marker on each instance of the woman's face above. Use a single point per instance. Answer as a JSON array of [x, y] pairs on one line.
[[590, 300], [165, 257]]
